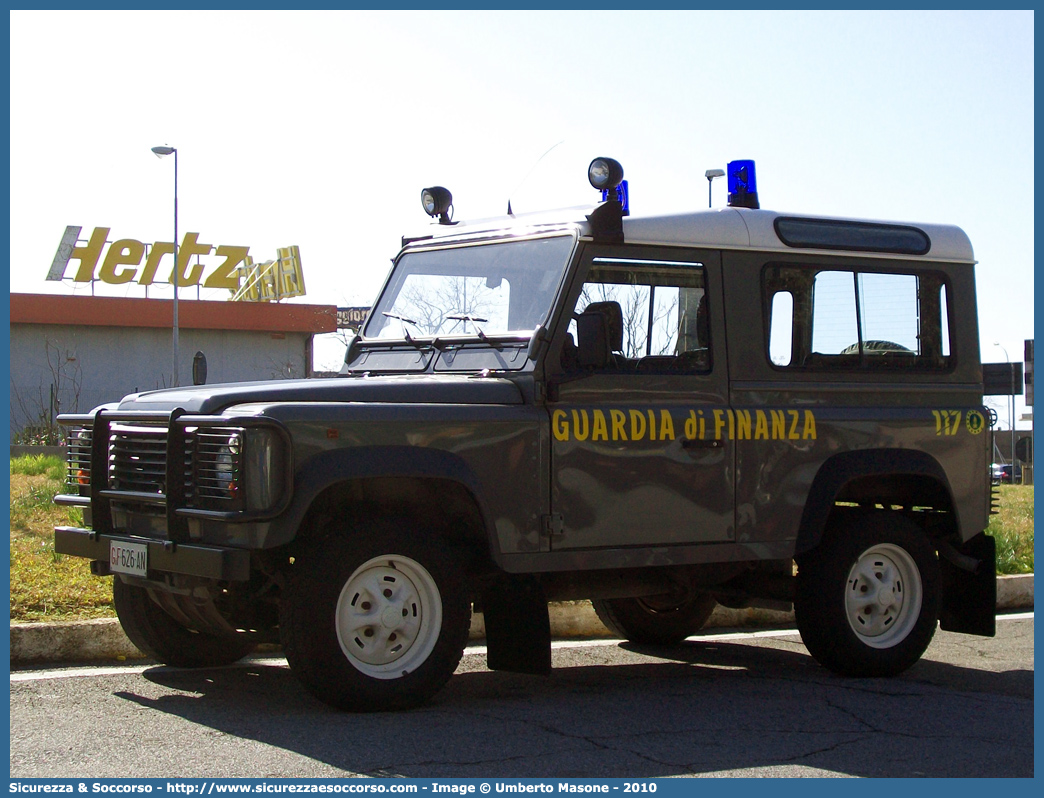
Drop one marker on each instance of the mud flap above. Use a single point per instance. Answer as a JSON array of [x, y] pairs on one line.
[[518, 628], [969, 597]]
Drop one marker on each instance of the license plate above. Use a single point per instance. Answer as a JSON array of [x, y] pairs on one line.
[[129, 558]]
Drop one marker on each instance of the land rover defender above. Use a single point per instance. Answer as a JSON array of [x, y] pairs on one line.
[[659, 414]]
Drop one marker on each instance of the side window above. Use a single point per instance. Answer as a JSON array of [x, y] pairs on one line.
[[944, 343], [834, 325], [781, 328], [837, 319], [656, 312], [878, 311]]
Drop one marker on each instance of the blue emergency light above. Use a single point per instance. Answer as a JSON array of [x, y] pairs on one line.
[[743, 185], [619, 194]]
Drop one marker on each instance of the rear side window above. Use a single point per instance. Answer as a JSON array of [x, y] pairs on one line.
[[837, 319], [781, 326]]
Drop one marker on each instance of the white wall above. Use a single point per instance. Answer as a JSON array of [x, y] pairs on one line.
[[91, 365]]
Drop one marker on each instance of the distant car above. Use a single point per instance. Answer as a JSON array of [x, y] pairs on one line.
[[1006, 470], [996, 473]]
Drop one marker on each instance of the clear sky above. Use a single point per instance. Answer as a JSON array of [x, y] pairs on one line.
[[320, 128]]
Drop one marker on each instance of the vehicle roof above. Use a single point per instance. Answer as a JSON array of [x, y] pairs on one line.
[[720, 228]]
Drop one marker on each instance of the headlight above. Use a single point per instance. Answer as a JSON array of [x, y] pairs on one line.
[[239, 469], [227, 466]]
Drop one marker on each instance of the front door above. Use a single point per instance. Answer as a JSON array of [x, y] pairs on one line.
[[641, 450]]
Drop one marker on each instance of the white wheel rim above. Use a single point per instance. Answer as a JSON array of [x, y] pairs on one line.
[[883, 595], [388, 616]]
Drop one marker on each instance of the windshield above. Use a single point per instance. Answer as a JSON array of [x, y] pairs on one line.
[[485, 289]]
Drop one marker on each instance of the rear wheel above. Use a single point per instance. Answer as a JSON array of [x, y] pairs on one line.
[[376, 619], [158, 635], [658, 620], [867, 599]]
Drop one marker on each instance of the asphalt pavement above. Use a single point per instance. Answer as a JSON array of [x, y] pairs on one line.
[[721, 704]]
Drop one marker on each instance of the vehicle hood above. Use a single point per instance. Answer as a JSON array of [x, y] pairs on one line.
[[395, 389]]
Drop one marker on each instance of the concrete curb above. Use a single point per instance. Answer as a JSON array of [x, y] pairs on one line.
[[103, 639]]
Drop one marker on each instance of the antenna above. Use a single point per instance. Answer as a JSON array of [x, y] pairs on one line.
[[524, 179]]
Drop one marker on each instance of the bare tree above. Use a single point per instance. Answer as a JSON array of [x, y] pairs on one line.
[[665, 327], [33, 414], [430, 302], [282, 369], [634, 306], [632, 303]]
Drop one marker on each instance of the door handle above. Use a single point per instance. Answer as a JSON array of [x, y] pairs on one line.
[[709, 443]]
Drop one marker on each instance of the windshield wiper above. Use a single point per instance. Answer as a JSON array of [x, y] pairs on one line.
[[406, 333], [475, 321]]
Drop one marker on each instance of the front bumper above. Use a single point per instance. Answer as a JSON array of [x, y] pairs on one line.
[[165, 556]]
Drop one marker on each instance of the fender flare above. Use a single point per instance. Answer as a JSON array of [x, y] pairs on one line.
[[331, 467], [839, 470]]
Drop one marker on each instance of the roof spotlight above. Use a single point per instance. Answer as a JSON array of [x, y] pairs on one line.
[[605, 173], [438, 201]]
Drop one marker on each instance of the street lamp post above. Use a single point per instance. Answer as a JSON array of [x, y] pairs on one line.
[[710, 174], [160, 153], [1011, 416]]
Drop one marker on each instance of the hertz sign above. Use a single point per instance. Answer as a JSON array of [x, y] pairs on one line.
[[127, 260]]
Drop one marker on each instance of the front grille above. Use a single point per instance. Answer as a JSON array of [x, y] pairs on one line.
[[226, 470], [138, 459], [136, 463]]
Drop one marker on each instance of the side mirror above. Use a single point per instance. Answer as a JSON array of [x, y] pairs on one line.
[[592, 332], [536, 342], [350, 352]]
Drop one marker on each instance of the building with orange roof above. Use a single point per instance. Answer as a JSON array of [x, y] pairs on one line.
[[72, 353]]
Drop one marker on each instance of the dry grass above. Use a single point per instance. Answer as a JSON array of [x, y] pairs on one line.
[[1012, 528], [46, 586]]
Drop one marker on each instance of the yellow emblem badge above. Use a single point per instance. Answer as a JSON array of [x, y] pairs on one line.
[[975, 422]]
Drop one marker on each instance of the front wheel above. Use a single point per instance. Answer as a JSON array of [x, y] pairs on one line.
[[656, 620], [376, 619], [867, 599]]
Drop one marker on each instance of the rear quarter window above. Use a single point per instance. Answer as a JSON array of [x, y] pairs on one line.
[[831, 318]]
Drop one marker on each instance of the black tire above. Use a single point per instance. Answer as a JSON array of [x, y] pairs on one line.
[[159, 636], [346, 641], [880, 573], [656, 620]]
